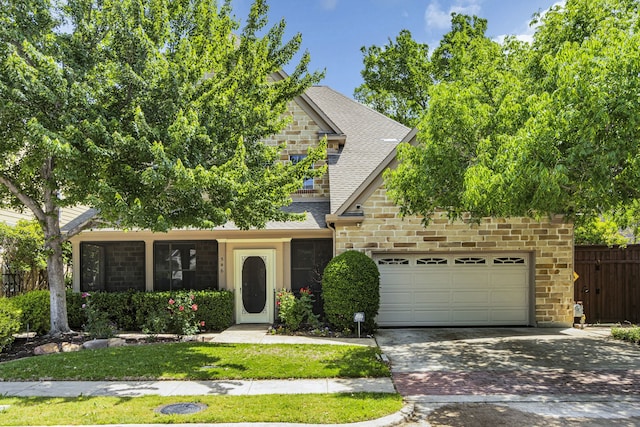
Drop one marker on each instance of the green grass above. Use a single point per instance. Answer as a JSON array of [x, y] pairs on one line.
[[200, 361], [628, 334], [305, 408]]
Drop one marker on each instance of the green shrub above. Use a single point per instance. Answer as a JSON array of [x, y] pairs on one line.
[[9, 322], [215, 309], [98, 324], [35, 308], [119, 307], [295, 312], [351, 284], [75, 314], [157, 322], [148, 305], [285, 301], [128, 311], [628, 334], [184, 318]]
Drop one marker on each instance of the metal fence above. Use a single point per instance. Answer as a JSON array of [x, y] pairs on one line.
[[19, 282]]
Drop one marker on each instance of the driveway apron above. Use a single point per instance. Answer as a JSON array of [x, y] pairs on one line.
[[510, 361]]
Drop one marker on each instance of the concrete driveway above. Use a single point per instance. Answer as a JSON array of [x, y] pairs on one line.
[[572, 373]]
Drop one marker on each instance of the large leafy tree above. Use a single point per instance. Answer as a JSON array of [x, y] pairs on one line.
[[533, 129], [149, 111], [397, 79]]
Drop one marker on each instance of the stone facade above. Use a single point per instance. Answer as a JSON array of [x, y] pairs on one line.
[[301, 134], [550, 244]]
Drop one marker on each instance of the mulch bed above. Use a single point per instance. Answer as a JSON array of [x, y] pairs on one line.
[[24, 346]]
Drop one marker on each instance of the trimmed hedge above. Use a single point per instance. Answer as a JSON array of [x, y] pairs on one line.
[[9, 322], [351, 284], [36, 316], [129, 310], [215, 308]]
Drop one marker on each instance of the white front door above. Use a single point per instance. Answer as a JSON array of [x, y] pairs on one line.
[[254, 277]]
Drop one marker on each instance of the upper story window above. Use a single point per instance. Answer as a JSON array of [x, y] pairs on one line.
[[307, 184]]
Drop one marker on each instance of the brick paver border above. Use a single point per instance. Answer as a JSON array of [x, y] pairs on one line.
[[518, 382]]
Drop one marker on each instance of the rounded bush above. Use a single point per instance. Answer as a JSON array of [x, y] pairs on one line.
[[351, 284], [9, 322], [35, 308]]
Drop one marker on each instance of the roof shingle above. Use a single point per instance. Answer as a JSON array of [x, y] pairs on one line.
[[371, 137]]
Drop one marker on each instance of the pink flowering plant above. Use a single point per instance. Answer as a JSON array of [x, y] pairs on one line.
[[182, 309], [296, 312]]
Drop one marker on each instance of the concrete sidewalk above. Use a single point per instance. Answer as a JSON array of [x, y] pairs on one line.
[[194, 388], [257, 334]]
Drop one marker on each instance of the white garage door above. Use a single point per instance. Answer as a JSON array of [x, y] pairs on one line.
[[453, 290]]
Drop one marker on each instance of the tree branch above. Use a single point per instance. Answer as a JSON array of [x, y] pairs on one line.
[[22, 54], [91, 220], [26, 200]]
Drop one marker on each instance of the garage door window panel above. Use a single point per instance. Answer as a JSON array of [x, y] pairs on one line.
[[432, 261], [470, 261], [509, 260], [393, 261]]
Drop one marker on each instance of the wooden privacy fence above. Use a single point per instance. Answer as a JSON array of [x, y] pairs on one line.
[[608, 283]]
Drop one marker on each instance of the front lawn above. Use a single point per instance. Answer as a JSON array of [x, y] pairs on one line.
[[303, 408], [201, 361]]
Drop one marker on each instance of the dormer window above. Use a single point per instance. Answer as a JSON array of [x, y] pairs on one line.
[[307, 184]]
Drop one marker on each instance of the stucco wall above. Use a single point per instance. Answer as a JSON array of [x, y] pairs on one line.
[[550, 244]]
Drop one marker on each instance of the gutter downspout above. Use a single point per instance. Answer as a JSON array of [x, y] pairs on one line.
[[332, 227]]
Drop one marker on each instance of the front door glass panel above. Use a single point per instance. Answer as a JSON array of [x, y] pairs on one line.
[[254, 284]]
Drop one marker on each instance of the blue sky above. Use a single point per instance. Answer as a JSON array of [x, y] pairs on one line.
[[333, 31]]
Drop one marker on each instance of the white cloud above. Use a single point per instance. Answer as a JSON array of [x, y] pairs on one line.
[[329, 4], [529, 30], [437, 18], [522, 37], [466, 8]]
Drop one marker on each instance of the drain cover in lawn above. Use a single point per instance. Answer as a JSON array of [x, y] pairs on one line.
[[181, 408]]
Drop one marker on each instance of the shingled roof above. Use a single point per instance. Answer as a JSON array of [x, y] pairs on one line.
[[370, 138]]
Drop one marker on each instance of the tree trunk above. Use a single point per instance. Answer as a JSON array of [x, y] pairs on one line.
[[55, 272]]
